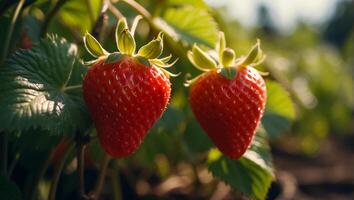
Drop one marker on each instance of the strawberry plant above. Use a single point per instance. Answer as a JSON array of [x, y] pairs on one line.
[[86, 114]]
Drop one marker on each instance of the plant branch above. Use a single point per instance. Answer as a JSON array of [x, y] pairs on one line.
[[40, 175], [116, 185], [50, 16], [81, 141], [80, 168], [117, 14], [140, 9], [101, 177], [58, 169], [102, 22], [9, 32]]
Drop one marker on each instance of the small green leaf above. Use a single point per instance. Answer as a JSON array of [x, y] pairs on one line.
[[227, 57], [9, 190], [220, 46], [143, 61], [200, 59], [34, 94], [255, 55], [252, 174], [114, 57], [126, 42], [280, 112], [153, 49], [121, 25], [189, 24], [93, 46], [229, 72]]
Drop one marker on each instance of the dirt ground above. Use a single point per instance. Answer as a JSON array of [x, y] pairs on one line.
[[328, 175]]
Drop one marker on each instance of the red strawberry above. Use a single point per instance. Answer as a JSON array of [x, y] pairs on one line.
[[229, 110], [125, 99], [228, 102], [124, 96]]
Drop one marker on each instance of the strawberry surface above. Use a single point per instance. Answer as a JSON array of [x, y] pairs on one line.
[[229, 110], [125, 99]]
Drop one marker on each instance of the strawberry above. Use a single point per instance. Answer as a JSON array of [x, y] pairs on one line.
[[126, 93], [228, 100]]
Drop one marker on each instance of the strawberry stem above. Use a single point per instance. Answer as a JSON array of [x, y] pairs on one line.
[[101, 177], [81, 141], [57, 172]]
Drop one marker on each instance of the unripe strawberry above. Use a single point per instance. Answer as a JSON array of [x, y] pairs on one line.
[[228, 100], [125, 93]]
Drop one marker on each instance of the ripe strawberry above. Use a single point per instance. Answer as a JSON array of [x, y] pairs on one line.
[[228, 102], [124, 94], [125, 99]]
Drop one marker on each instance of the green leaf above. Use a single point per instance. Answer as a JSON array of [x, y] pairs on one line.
[[80, 14], [189, 24], [114, 57], [93, 46], [200, 59], [126, 42], [229, 72], [9, 190], [280, 112], [35, 89], [153, 49], [252, 174]]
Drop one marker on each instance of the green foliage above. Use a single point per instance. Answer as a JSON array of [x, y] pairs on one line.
[[35, 89], [279, 112], [190, 25], [80, 14], [9, 190], [194, 3], [252, 174]]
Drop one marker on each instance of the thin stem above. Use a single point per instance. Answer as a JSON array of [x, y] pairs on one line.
[[73, 87], [140, 9], [80, 167], [11, 29], [40, 174], [116, 185], [101, 177], [57, 172], [135, 24], [117, 14], [101, 23], [50, 16], [4, 138]]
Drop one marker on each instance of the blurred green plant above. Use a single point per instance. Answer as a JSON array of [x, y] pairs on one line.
[[39, 101]]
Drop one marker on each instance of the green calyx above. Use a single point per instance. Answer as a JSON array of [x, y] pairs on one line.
[[146, 55], [93, 46], [152, 49], [224, 61], [254, 57]]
